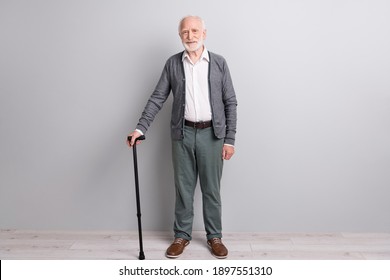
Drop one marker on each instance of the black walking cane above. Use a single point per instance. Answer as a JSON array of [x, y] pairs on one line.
[[141, 248]]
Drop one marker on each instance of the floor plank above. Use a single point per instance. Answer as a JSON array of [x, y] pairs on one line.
[[79, 245]]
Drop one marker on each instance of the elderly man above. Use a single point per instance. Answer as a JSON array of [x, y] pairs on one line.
[[203, 128]]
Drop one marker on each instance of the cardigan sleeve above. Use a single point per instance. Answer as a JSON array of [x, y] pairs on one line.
[[156, 101], [230, 101]]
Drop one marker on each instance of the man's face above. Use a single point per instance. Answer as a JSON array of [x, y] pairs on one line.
[[192, 34]]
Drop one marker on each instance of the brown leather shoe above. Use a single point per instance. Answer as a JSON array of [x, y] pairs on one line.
[[177, 247], [218, 250]]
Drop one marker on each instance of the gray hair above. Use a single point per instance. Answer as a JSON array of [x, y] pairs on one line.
[[196, 17]]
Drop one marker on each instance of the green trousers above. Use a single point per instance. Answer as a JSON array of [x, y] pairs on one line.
[[199, 154]]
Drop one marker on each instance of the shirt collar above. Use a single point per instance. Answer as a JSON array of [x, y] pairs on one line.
[[205, 55]]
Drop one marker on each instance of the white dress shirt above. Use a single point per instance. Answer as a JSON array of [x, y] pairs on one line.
[[197, 88]]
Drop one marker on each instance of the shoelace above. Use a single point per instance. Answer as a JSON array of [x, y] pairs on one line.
[[216, 240], [178, 241]]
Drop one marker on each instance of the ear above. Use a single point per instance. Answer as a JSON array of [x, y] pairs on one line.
[[204, 34]]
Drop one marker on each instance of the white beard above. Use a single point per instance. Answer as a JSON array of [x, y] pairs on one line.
[[193, 49]]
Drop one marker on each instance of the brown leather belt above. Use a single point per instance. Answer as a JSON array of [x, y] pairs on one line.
[[198, 124]]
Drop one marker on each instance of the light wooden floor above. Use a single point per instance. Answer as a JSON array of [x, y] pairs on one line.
[[61, 245]]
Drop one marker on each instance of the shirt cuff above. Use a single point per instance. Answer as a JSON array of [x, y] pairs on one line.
[[229, 145]]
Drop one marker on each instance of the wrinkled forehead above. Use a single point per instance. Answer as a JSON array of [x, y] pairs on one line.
[[190, 23]]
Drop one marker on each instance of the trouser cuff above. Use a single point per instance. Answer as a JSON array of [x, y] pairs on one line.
[[216, 235]]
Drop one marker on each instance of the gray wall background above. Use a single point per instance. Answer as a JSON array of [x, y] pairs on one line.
[[313, 84]]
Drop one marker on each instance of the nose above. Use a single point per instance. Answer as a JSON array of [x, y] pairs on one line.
[[190, 35]]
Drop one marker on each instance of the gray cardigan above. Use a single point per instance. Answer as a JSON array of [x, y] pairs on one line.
[[222, 98]]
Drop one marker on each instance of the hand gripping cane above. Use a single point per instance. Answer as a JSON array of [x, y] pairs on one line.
[[141, 249]]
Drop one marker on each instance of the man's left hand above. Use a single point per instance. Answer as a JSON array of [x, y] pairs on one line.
[[227, 152]]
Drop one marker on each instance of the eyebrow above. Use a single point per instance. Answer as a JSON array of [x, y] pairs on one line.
[[192, 29]]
